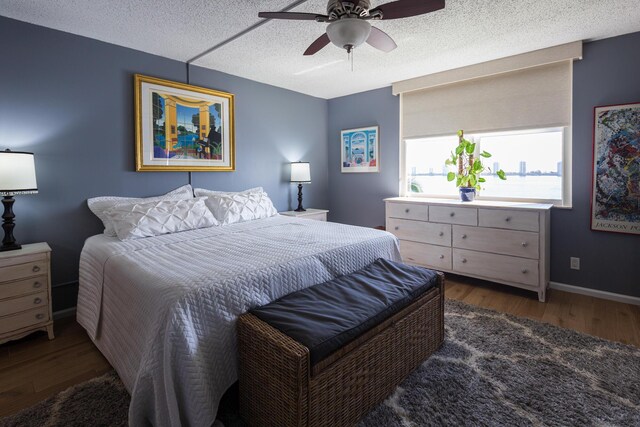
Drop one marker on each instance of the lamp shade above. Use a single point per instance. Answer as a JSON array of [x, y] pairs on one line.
[[300, 172], [17, 173]]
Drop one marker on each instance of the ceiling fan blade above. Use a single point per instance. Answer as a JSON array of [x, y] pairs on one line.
[[294, 15], [381, 40], [317, 45], [405, 8]]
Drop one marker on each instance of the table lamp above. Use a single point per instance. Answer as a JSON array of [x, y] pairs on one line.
[[17, 176], [300, 173]]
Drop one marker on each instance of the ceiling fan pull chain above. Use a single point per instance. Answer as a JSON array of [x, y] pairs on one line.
[[351, 55]]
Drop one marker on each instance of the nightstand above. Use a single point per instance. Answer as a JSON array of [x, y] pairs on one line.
[[317, 214], [25, 292]]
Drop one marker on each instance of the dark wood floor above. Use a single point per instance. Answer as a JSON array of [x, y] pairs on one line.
[[35, 368]]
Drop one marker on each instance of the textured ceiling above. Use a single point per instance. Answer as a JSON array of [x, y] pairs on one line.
[[465, 32]]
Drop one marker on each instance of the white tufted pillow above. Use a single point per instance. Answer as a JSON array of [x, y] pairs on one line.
[[136, 220], [203, 192], [240, 207], [99, 205]]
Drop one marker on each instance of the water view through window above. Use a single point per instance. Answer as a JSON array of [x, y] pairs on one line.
[[532, 161]]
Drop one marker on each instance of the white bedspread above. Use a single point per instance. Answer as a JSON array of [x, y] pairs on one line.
[[163, 309]]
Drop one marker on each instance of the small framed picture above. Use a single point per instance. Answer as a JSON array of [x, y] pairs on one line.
[[615, 204], [360, 150], [180, 127]]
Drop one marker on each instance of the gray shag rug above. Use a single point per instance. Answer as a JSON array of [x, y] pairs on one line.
[[493, 370]]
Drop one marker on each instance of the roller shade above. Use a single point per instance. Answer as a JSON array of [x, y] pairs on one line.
[[535, 97]]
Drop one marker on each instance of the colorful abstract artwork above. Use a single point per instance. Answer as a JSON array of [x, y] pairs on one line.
[[180, 127], [360, 150], [616, 169]]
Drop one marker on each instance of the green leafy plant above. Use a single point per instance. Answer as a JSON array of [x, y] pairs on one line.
[[469, 167], [415, 186]]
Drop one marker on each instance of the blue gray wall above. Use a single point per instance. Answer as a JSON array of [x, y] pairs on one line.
[[356, 198], [69, 99], [608, 74]]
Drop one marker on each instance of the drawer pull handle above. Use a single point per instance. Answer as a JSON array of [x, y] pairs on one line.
[[39, 316], [508, 219], [441, 256], [411, 259], [406, 210], [525, 244], [452, 214], [37, 300], [464, 260], [37, 284], [397, 227], [441, 234], [464, 236], [35, 269], [525, 271]]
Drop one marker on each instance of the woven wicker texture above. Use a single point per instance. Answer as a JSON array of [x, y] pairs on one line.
[[278, 388]]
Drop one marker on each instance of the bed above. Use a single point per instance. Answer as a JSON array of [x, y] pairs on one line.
[[163, 309]]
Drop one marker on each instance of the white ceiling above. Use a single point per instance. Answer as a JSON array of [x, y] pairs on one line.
[[465, 32]]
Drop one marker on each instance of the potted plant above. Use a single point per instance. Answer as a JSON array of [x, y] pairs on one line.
[[470, 168]]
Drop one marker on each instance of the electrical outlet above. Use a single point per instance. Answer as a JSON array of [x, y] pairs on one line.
[[575, 263]]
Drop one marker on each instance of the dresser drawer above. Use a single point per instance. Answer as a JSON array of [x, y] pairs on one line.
[[418, 231], [407, 211], [453, 215], [511, 220], [22, 287], [499, 267], [16, 305], [24, 319], [506, 242], [437, 257], [22, 271]]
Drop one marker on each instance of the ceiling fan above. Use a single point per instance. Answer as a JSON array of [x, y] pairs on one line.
[[348, 22]]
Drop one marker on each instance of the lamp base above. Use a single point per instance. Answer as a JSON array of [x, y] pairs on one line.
[[13, 247], [300, 208], [9, 242]]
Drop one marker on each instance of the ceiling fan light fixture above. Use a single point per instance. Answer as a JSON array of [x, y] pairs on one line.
[[348, 33]]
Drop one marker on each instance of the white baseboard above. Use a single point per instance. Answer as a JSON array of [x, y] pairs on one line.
[[627, 299], [61, 314]]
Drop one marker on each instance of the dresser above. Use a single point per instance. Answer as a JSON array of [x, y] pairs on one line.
[[504, 242], [25, 292], [317, 214]]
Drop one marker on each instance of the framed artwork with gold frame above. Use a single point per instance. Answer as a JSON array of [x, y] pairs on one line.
[[180, 127]]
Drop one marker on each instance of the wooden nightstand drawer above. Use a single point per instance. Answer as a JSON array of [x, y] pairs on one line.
[[27, 302], [8, 260], [23, 287], [314, 214], [24, 319], [22, 271]]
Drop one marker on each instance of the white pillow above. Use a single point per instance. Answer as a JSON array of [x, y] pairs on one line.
[[202, 192], [99, 205], [240, 207], [136, 220]]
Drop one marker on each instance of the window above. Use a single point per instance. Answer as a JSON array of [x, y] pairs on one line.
[[533, 161]]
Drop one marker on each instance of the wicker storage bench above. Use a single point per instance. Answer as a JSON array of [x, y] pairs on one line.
[[280, 386]]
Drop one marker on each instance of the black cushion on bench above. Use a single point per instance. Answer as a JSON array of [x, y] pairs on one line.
[[327, 316]]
